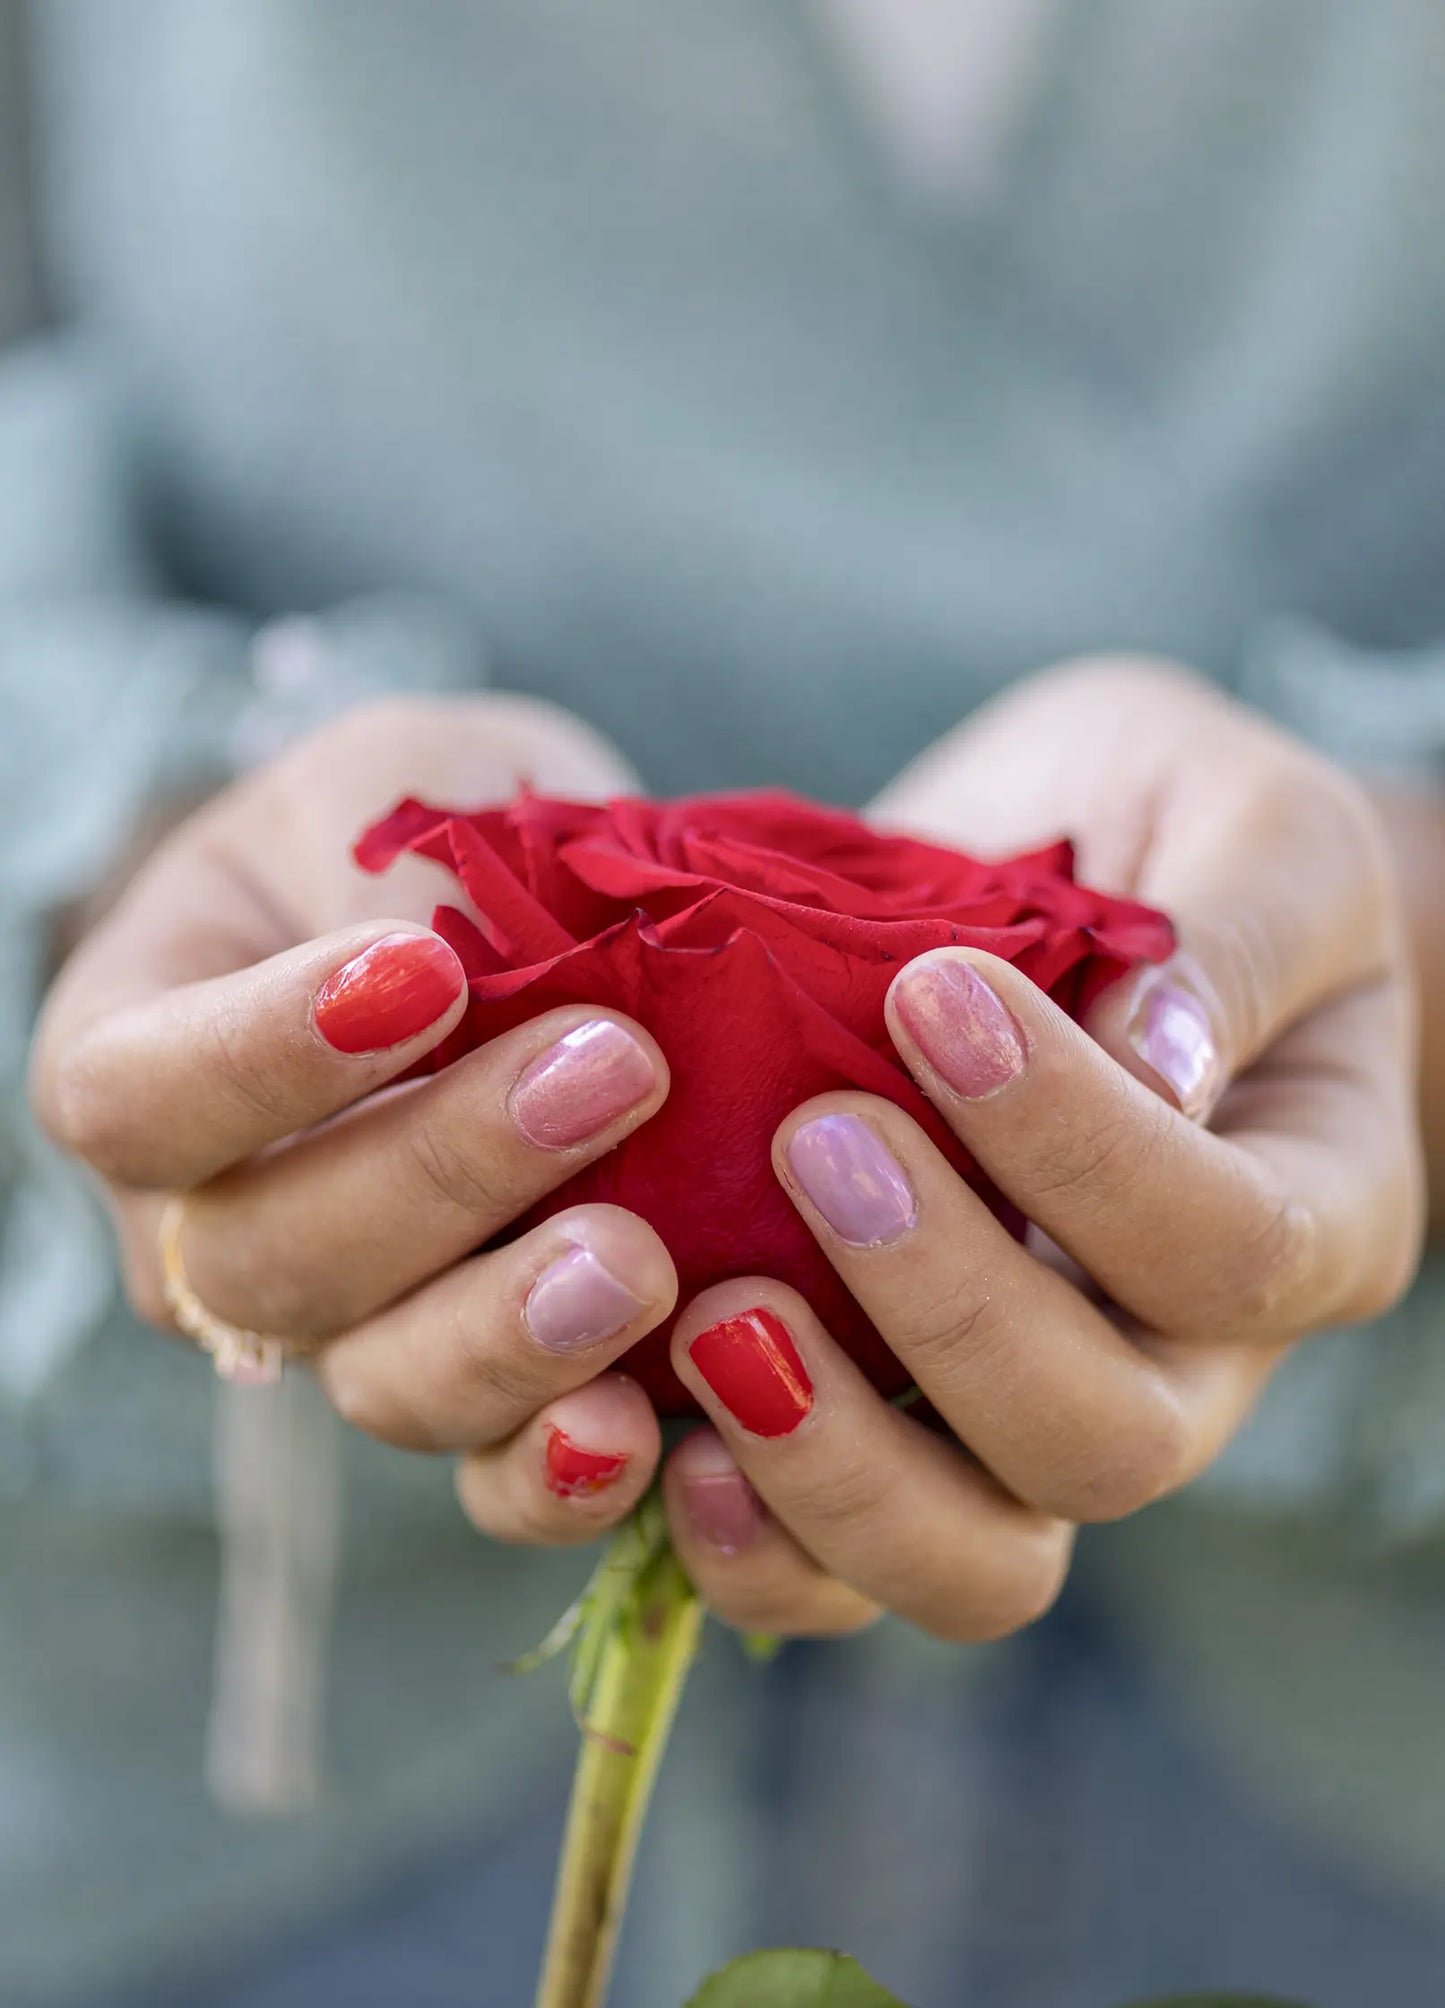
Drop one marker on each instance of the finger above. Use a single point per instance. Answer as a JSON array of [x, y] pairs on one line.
[[1330, 1112], [574, 1471], [469, 1358], [1061, 1405], [1182, 1228], [746, 1568], [904, 1518], [168, 1089], [1273, 867], [1269, 859], [314, 1236]]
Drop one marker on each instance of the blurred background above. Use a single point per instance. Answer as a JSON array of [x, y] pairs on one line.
[[770, 384]]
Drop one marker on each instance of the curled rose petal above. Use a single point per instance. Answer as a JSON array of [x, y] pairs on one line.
[[755, 936]]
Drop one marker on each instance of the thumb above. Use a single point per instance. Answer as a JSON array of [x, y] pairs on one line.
[[1281, 898]]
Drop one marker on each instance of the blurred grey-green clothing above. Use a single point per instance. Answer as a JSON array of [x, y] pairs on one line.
[[604, 352]]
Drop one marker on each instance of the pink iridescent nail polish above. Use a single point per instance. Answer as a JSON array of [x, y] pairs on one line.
[[1170, 1029], [961, 1026], [584, 1083], [855, 1182], [577, 1302]]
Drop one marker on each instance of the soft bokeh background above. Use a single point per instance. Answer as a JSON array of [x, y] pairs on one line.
[[771, 389]]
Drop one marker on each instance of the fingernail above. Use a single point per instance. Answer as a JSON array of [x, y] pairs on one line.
[[722, 1508], [576, 1303], [574, 1473], [962, 1027], [753, 1367], [577, 1087], [1169, 1029], [856, 1184], [388, 993]]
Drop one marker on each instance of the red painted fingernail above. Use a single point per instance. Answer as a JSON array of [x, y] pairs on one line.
[[574, 1473], [388, 993], [753, 1367], [962, 1027]]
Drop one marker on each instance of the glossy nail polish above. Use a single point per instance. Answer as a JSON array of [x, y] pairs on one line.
[[855, 1182], [754, 1369], [576, 1302], [574, 1473], [961, 1026], [577, 1087], [1169, 1029], [388, 993]]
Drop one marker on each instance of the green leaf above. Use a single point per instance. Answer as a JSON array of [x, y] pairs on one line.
[[793, 1980], [1219, 2001]]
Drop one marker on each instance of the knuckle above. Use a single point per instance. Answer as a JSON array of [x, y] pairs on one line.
[[1026, 1594], [1304, 805], [1344, 816], [1134, 677], [360, 1402], [1271, 1272], [68, 1093], [1136, 1466], [855, 1493], [465, 1182], [388, 728], [497, 1378], [246, 1073], [249, 1279], [1395, 1263], [1086, 1165], [949, 1329]]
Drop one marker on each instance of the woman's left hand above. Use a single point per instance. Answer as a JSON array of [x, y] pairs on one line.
[[1224, 1160]]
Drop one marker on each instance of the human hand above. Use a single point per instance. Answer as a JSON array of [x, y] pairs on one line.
[[1228, 1163], [225, 1033]]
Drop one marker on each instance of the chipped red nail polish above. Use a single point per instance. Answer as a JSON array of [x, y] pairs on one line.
[[574, 1473]]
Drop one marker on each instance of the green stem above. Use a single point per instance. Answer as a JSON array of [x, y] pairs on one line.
[[639, 1638]]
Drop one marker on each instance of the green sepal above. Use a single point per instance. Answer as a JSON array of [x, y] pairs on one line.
[[793, 1980]]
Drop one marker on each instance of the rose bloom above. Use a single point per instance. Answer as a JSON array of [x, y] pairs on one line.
[[755, 936]]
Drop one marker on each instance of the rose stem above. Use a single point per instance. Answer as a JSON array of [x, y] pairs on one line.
[[641, 1670]]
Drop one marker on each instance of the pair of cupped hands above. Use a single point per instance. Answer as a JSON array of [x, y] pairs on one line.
[[1222, 1161]]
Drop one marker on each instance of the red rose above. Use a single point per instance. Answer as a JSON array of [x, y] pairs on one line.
[[755, 936]]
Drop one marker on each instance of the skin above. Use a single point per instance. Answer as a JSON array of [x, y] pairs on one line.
[[1087, 1375]]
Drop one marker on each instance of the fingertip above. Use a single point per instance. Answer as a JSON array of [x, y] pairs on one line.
[[1164, 1024], [579, 1467], [631, 1248], [589, 1075], [595, 1452], [962, 1021], [736, 1348], [406, 987], [711, 1506], [730, 1299], [746, 1567], [610, 1418]]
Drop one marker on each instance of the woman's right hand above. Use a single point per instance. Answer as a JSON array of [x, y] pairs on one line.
[[224, 1034]]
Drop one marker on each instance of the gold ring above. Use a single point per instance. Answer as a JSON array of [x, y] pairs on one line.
[[249, 1359]]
